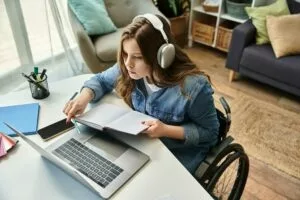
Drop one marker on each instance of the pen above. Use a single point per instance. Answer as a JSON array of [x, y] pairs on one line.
[[33, 75], [28, 78], [36, 70], [34, 82], [43, 74], [74, 95], [76, 125], [72, 120]]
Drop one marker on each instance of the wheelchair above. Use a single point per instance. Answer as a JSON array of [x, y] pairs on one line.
[[224, 171]]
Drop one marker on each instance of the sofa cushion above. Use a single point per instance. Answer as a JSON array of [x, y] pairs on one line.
[[93, 16], [261, 59], [258, 16], [107, 45], [283, 33]]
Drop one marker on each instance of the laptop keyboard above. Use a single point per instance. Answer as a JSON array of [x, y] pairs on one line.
[[91, 164]]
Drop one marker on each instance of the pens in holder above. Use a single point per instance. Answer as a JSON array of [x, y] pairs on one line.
[[35, 83], [39, 89], [33, 75], [43, 74]]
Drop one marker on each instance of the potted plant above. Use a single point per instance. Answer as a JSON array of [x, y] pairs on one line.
[[178, 13]]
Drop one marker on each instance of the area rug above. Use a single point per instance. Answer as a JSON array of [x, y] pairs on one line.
[[267, 132]]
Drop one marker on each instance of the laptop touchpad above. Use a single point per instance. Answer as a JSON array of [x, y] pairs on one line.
[[106, 146]]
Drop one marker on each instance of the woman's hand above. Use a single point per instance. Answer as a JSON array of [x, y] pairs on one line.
[[78, 105], [156, 128]]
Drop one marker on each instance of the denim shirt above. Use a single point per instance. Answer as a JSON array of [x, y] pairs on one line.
[[194, 111]]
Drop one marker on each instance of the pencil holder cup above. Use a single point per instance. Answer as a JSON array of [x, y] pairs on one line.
[[39, 88]]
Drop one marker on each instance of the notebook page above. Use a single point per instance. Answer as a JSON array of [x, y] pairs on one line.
[[130, 123], [101, 115]]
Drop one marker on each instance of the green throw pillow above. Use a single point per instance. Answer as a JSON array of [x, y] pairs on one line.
[[93, 16], [258, 16]]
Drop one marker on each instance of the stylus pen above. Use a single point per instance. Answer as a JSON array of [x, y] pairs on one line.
[[43, 74], [72, 120], [74, 95], [76, 125]]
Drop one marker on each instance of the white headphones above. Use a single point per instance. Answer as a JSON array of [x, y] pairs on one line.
[[166, 52]]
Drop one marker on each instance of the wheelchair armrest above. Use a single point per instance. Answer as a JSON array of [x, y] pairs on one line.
[[224, 119], [211, 156], [225, 105]]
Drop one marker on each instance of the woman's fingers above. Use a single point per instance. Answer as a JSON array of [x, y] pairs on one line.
[[148, 122], [71, 110], [75, 107], [69, 117], [151, 126], [67, 107]]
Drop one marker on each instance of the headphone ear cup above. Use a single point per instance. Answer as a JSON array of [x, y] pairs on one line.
[[166, 55]]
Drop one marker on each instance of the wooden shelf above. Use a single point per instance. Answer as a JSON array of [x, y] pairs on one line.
[[230, 18], [197, 13], [200, 9]]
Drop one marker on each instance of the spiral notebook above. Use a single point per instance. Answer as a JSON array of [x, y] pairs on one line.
[[23, 116]]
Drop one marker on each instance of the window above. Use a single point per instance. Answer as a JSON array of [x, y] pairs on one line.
[[8, 53], [29, 37], [37, 29]]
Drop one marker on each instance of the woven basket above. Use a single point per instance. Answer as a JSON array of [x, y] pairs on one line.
[[224, 38], [203, 30], [209, 8], [224, 35]]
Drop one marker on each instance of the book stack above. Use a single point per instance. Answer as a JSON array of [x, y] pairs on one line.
[[6, 144]]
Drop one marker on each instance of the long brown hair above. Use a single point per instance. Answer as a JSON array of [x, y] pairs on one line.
[[149, 40]]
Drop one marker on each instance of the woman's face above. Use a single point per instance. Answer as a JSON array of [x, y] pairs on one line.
[[134, 61]]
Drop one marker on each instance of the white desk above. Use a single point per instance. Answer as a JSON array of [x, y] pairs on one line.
[[24, 174]]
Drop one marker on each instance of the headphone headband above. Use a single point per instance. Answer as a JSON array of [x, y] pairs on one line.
[[156, 23]]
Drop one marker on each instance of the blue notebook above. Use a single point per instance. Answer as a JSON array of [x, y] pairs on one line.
[[24, 117]]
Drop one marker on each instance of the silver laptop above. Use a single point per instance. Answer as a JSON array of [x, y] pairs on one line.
[[96, 159]]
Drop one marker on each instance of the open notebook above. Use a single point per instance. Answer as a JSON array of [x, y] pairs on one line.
[[114, 118]]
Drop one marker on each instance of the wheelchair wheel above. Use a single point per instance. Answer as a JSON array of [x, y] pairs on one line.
[[227, 175]]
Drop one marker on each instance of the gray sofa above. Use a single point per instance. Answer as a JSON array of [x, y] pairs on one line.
[[259, 61], [100, 51]]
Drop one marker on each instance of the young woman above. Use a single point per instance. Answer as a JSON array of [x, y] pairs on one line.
[[154, 76]]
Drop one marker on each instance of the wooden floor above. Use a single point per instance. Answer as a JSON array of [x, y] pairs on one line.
[[264, 182]]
